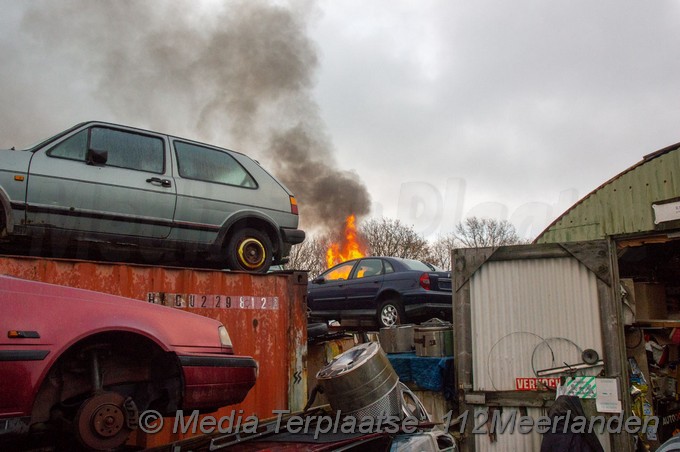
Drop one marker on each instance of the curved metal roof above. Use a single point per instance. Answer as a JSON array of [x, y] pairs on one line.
[[623, 204]]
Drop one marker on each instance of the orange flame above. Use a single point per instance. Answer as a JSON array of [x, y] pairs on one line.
[[350, 247]]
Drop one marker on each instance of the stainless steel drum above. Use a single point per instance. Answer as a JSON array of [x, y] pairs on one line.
[[361, 383], [434, 338], [397, 339]]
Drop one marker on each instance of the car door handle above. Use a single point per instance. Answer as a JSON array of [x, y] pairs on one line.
[[159, 181]]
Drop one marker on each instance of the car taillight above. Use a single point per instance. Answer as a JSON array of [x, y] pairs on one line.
[[425, 281], [293, 205]]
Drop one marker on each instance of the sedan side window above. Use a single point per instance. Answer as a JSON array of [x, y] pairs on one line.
[[340, 272], [211, 165], [369, 267], [129, 150], [73, 148]]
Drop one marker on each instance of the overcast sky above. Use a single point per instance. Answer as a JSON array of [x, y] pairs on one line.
[[443, 109]]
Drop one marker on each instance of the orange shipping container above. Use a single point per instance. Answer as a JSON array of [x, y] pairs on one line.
[[264, 314]]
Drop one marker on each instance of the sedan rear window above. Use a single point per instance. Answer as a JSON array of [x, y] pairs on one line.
[[369, 267], [416, 265]]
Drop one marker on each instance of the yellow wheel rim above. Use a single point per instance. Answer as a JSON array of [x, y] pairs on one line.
[[251, 253]]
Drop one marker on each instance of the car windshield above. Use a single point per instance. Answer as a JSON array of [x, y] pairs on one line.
[[417, 265]]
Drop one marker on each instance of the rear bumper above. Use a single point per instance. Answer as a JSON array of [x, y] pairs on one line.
[[292, 236], [213, 381], [430, 310], [428, 304]]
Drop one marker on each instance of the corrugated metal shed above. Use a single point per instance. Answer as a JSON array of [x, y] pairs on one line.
[[526, 312], [622, 205], [530, 315]]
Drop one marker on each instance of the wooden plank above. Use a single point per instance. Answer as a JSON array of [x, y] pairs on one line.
[[462, 349], [594, 255], [658, 323], [541, 251], [466, 261], [532, 399], [611, 319]]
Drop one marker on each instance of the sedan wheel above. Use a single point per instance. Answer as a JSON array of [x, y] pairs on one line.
[[391, 313]]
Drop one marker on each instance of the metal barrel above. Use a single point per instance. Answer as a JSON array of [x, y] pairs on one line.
[[361, 382], [397, 339]]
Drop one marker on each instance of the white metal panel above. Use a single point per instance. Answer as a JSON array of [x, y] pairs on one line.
[[528, 315]]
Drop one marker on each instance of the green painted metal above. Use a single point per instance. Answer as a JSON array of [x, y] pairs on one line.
[[622, 205]]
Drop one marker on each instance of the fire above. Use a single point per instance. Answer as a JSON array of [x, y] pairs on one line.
[[350, 247]]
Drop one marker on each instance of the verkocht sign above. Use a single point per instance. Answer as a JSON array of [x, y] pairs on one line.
[[533, 384]]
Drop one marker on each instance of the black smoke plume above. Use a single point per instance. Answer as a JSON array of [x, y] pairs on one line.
[[236, 73]]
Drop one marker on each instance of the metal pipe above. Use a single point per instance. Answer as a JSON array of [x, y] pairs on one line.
[[96, 376]]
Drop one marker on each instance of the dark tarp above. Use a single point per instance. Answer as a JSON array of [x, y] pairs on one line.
[[560, 438]]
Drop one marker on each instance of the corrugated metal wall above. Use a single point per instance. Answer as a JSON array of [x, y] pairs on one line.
[[266, 317], [529, 315], [621, 206]]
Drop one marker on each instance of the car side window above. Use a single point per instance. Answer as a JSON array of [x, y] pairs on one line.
[[369, 267], [211, 165], [388, 267], [73, 148], [129, 150], [340, 272]]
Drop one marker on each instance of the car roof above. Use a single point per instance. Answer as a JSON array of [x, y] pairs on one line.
[[392, 259]]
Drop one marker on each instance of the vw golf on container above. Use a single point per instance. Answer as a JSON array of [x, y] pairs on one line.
[[127, 187]]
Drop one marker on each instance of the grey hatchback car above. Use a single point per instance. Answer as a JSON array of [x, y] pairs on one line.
[[122, 186]]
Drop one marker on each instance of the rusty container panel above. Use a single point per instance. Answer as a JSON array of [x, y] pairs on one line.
[[264, 314]]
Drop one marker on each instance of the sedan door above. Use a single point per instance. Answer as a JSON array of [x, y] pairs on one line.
[[362, 288], [102, 179], [327, 292]]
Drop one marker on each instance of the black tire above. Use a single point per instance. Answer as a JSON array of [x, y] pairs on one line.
[[249, 250], [3, 223], [390, 313], [316, 329]]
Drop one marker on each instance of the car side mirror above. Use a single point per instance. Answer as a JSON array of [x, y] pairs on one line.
[[319, 280], [97, 157]]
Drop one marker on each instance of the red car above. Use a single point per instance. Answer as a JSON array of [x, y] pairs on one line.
[[92, 362]]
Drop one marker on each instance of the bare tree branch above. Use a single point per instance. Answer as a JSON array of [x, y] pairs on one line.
[[389, 237], [310, 255], [477, 232]]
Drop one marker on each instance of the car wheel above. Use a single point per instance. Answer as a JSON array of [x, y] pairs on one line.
[[249, 250], [391, 313], [105, 420]]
